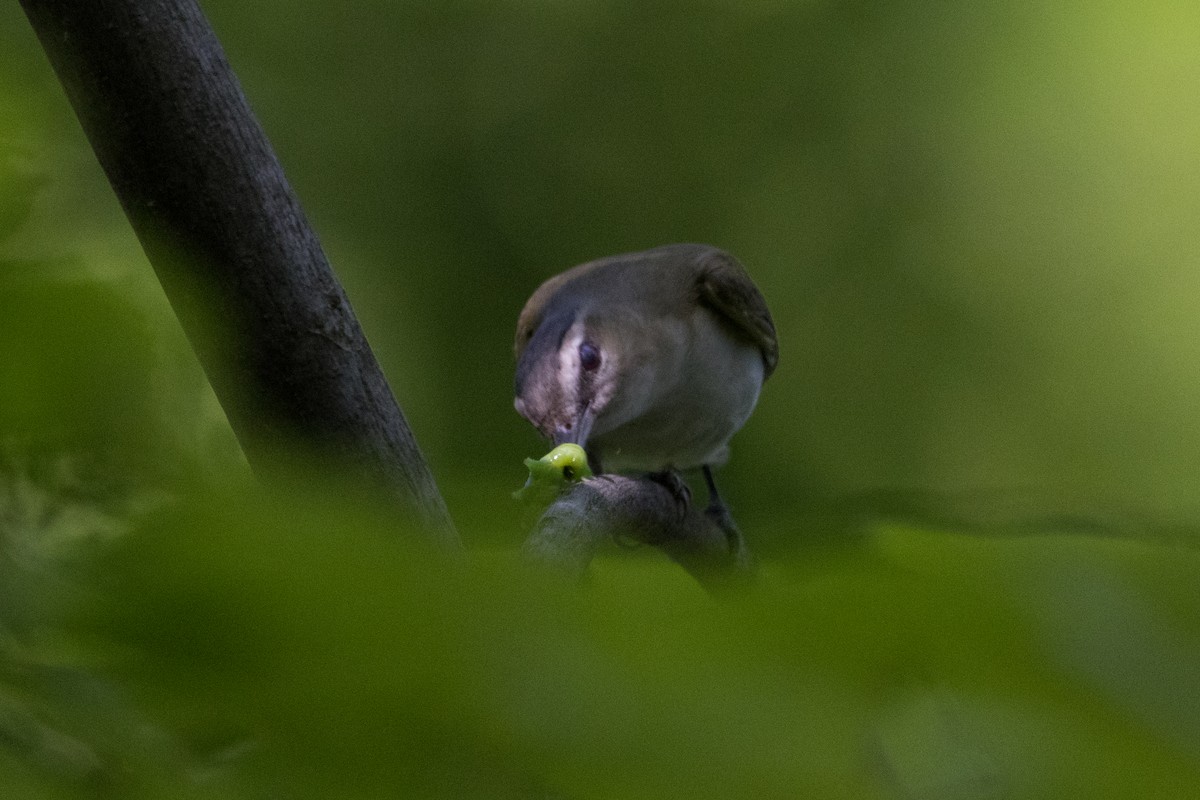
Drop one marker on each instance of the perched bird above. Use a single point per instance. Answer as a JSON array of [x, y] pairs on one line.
[[650, 361]]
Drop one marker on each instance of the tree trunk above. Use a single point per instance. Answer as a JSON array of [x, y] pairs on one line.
[[227, 237]]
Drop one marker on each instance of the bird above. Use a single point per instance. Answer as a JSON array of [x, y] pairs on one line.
[[651, 361]]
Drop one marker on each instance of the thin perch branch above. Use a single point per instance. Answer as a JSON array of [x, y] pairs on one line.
[[226, 235], [608, 507]]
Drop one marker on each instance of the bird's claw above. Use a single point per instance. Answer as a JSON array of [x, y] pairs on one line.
[[718, 514], [673, 482]]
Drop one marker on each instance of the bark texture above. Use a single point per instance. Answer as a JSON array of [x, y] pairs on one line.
[[230, 243]]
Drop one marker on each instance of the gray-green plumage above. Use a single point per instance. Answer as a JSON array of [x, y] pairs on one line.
[[650, 360]]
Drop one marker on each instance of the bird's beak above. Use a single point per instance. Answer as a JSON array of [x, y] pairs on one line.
[[577, 432]]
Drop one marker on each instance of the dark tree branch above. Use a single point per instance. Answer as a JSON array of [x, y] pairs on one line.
[[614, 507], [229, 242]]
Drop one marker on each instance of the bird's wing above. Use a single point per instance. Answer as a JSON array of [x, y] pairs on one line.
[[725, 287]]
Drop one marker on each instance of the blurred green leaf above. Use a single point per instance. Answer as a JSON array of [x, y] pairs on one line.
[[302, 646], [975, 227]]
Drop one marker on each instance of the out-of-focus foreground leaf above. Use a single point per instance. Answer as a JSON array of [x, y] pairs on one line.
[[280, 646], [976, 230]]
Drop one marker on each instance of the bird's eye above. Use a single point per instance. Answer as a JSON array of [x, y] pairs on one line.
[[589, 357], [568, 472]]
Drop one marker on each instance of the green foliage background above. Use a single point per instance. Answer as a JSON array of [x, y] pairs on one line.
[[972, 479]]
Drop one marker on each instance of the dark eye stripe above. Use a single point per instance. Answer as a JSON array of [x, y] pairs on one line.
[[545, 340]]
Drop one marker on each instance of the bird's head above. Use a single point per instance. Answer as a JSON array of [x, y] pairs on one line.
[[568, 372]]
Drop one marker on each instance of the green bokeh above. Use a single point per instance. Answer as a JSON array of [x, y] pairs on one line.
[[975, 228], [191, 658], [973, 224]]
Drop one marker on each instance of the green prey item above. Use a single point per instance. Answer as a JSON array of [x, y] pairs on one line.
[[552, 473]]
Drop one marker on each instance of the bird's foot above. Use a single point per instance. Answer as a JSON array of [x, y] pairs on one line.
[[680, 492], [718, 513], [673, 482]]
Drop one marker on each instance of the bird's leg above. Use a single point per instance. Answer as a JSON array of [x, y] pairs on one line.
[[719, 514]]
